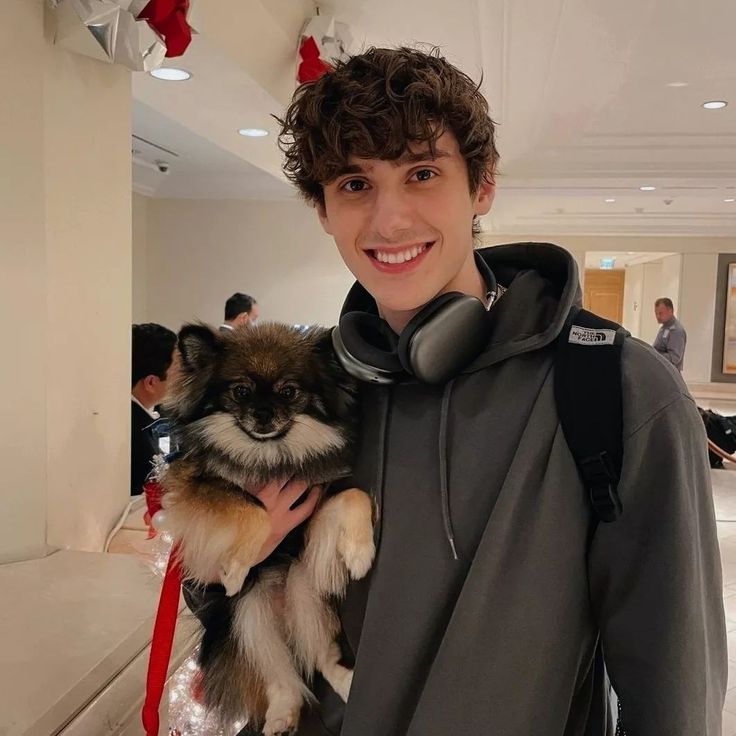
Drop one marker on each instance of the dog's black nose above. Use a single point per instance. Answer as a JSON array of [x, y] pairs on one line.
[[263, 414]]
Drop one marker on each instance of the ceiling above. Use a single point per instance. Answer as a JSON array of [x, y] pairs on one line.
[[580, 89]]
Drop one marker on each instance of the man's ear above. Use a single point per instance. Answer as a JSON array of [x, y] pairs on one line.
[[483, 198], [323, 218], [198, 346], [150, 383]]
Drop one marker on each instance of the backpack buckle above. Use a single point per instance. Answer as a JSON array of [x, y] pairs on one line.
[[602, 484]]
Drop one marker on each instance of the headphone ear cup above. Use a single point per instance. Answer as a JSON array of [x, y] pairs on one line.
[[417, 322], [439, 343], [369, 341]]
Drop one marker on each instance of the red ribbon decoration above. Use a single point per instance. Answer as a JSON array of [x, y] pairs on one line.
[[312, 67], [153, 492], [162, 643], [169, 19]]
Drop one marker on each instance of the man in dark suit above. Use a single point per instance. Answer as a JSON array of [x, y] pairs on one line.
[[153, 353], [240, 310]]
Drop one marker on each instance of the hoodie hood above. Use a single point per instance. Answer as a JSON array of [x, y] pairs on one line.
[[542, 286]]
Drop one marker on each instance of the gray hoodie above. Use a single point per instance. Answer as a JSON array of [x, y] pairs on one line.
[[507, 639]]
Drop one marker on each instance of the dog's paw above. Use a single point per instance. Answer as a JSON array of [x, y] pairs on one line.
[[341, 683], [282, 724], [358, 554], [233, 575]]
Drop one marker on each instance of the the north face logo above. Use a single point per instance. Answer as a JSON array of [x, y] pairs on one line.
[[587, 336]]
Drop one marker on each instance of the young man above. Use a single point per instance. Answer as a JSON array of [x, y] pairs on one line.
[[152, 355], [495, 596], [671, 338], [240, 310]]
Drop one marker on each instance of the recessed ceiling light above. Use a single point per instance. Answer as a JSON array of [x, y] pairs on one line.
[[610, 199], [678, 84], [730, 199], [170, 74], [715, 105], [253, 132], [647, 189]]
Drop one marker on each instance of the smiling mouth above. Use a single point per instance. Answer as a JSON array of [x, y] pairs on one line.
[[265, 436], [397, 257]]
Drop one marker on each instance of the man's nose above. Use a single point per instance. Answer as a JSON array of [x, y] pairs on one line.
[[392, 215]]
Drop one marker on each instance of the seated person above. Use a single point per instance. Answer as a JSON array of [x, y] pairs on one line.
[[153, 353]]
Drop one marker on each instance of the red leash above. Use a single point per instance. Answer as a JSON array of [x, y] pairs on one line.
[[161, 644], [165, 625]]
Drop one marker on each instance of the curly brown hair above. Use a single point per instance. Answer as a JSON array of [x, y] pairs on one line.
[[373, 105]]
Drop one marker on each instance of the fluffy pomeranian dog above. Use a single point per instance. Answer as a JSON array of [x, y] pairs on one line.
[[248, 407]]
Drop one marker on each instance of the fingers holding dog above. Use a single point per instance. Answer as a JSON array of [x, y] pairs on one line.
[[279, 500]]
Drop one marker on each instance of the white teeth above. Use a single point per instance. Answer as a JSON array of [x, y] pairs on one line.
[[400, 256]]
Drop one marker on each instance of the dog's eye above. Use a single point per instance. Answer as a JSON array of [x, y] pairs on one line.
[[241, 392], [287, 392]]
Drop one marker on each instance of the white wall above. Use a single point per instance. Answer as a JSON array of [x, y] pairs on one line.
[[671, 278], [697, 312], [22, 284], [66, 271], [88, 243], [633, 294], [140, 258], [642, 287], [200, 252], [688, 279], [651, 291]]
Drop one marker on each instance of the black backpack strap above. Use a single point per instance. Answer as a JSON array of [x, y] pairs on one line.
[[589, 400]]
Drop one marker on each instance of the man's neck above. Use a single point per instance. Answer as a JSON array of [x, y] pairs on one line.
[[468, 281], [142, 398]]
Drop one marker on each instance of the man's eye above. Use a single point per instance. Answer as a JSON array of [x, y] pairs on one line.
[[354, 185], [241, 392], [424, 174]]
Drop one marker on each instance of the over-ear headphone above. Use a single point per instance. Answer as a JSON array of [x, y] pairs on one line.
[[444, 337]]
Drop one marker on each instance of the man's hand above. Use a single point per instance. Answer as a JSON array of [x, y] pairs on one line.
[[278, 498]]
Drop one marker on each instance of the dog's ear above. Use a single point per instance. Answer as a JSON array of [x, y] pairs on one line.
[[199, 346], [321, 338], [344, 388]]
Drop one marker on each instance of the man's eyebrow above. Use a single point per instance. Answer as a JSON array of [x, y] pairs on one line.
[[406, 158], [350, 169], [415, 157]]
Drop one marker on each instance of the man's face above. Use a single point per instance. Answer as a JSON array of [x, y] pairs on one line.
[[404, 228], [245, 319], [158, 386], [663, 313]]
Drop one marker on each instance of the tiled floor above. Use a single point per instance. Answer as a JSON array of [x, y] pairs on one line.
[[724, 490]]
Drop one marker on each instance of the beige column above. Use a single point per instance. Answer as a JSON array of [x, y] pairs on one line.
[[696, 310], [22, 282], [66, 285]]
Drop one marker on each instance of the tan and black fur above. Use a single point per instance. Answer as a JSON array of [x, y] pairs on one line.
[[249, 407]]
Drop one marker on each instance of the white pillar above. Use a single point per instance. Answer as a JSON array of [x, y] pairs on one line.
[[697, 313], [22, 282], [66, 290]]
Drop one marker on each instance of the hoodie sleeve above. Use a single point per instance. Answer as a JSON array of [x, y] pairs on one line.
[[655, 573]]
